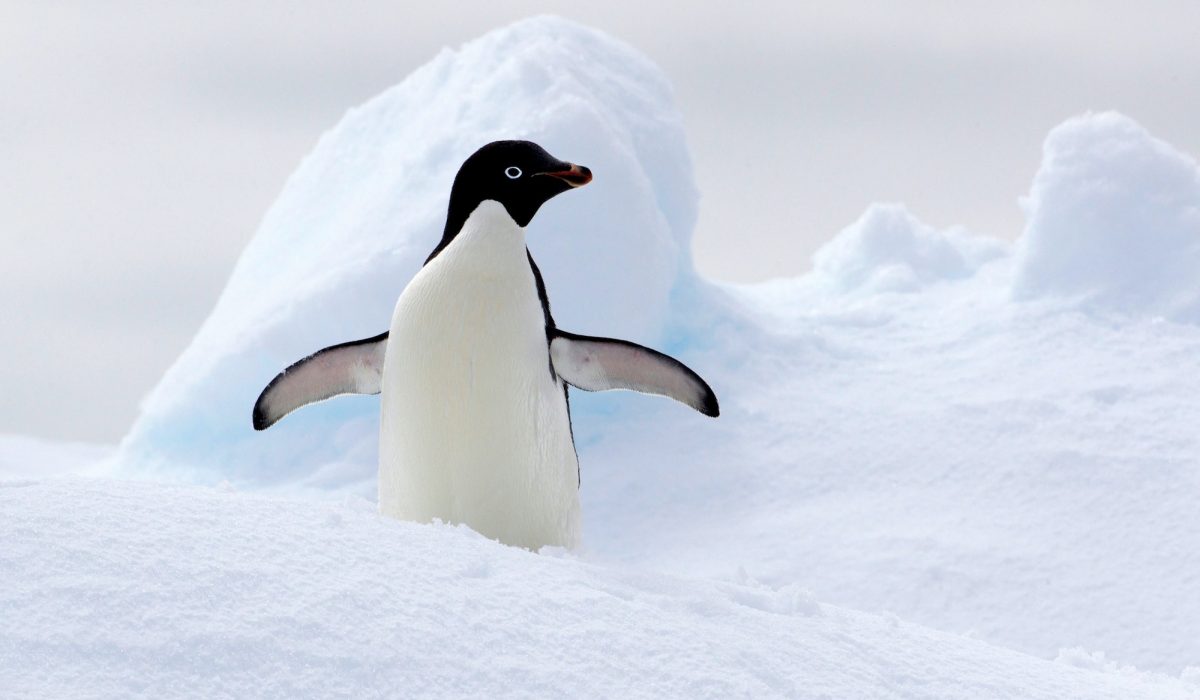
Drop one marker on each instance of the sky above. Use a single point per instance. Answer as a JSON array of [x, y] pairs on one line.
[[141, 143]]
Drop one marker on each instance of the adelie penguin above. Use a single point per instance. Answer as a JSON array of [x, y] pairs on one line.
[[474, 373]]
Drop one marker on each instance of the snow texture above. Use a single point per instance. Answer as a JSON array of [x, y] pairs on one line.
[[887, 249], [156, 591], [1114, 219], [987, 443]]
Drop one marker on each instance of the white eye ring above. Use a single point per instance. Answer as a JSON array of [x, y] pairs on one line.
[[512, 172]]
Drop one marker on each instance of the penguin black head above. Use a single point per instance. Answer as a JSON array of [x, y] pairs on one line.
[[520, 175]]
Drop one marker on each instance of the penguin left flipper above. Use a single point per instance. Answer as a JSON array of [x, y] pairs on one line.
[[355, 367], [602, 364]]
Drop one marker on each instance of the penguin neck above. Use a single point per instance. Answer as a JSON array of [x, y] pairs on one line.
[[488, 215], [487, 238]]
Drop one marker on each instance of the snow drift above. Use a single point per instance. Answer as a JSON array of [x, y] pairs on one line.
[[889, 250], [358, 218], [211, 593], [1114, 221], [925, 425]]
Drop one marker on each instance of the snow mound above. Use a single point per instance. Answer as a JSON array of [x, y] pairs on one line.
[[358, 218], [157, 591], [889, 250], [1021, 474], [1114, 221]]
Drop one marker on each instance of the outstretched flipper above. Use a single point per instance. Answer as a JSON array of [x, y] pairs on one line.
[[348, 368], [601, 364]]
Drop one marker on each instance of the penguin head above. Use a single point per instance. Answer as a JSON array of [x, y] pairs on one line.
[[520, 175]]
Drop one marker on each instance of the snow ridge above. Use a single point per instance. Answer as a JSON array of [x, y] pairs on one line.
[[889, 250], [155, 591]]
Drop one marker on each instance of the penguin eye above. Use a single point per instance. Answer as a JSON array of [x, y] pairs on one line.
[[512, 172]]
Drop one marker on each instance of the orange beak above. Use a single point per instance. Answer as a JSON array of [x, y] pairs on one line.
[[575, 176]]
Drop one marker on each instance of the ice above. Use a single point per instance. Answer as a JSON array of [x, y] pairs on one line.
[[363, 211], [1113, 221]]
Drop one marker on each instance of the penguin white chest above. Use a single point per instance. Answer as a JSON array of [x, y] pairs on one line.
[[474, 426]]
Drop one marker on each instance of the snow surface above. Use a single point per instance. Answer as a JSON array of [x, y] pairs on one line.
[[987, 442], [889, 250], [1114, 219], [144, 590]]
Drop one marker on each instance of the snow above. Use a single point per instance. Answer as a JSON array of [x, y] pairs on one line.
[[888, 250], [940, 431], [148, 590], [1024, 474], [1114, 220]]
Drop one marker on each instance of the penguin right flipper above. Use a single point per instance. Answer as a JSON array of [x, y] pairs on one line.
[[355, 367], [602, 364]]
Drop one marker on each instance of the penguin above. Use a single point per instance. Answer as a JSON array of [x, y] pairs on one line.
[[475, 376]]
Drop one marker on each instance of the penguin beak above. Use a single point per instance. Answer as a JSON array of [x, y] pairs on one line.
[[575, 175]]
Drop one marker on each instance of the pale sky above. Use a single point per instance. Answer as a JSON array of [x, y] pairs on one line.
[[141, 143]]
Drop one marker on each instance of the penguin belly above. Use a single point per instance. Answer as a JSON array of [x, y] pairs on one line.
[[474, 427]]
